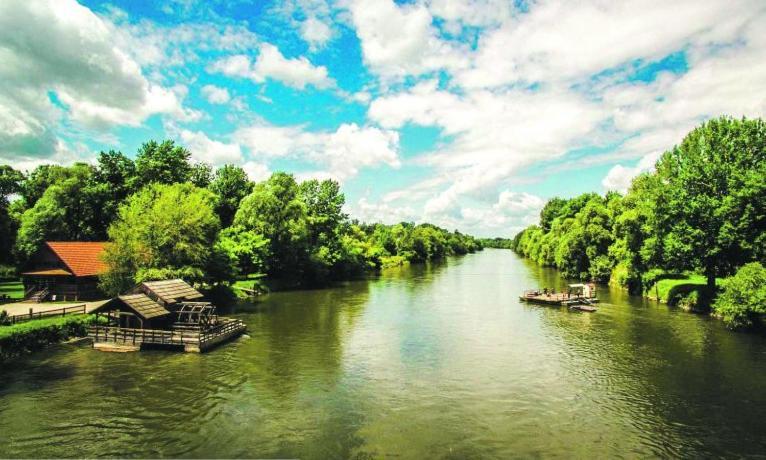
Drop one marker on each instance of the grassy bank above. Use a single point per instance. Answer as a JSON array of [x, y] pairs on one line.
[[34, 335]]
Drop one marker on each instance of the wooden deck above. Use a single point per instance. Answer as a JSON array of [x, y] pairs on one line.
[[123, 339]]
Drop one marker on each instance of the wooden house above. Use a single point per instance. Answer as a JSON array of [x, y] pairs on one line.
[[168, 313], [64, 270]]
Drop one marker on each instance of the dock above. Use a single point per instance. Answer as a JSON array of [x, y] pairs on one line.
[[108, 338]]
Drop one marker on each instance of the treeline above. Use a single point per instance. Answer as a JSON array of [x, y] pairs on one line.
[[497, 243], [168, 217], [703, 210]]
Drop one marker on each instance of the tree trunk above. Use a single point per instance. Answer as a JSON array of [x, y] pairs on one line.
[[710, 273]]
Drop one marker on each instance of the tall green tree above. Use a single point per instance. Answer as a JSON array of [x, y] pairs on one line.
[[716, 191], [10, 184], [116, 174], [230, 185], [275, 211], [163, 163], [165, 231], [70, 209]]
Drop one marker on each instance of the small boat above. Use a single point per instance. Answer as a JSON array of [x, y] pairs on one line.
[[585, 308]]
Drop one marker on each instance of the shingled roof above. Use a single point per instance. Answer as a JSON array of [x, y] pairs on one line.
[[140, 304], [81, 258], [170, 291]]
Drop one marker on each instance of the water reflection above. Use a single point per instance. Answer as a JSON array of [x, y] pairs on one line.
[[439, 360]]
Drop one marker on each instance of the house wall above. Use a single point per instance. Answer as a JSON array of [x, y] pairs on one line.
[[66, 287]]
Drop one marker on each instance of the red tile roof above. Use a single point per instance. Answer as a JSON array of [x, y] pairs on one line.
[[82, 258]]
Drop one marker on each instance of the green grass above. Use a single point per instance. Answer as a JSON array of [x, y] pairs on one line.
[[37, 324], [14, 289], [669, 288]]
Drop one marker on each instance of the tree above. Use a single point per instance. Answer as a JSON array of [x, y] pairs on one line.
[[275, 211], [230, 185], [164, 231], [552, 209], [116, 173], [70, 209], [716, 190], [323, 202], [743, 298], [10, 184], [201, 175], [163, 163], [40, 179]]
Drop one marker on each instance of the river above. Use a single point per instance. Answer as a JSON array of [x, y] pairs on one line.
[[436, 361]]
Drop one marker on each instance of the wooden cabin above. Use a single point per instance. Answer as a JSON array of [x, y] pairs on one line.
[[64, 270], [169, 313]]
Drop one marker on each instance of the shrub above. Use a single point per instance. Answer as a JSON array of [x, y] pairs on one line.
[[743, 299], [35, 335], [7, 272]]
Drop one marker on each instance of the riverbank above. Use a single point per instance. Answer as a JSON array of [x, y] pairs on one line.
[[22, 338], [445, 349]]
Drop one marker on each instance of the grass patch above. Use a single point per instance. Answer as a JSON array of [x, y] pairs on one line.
[[682, 289], [14, 289]]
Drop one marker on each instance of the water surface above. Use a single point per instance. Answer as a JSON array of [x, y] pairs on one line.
[[437, 361]]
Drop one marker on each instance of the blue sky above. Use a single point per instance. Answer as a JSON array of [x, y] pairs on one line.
[[465, 113]]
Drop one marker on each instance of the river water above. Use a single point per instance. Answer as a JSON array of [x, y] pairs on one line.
[[437, 361]]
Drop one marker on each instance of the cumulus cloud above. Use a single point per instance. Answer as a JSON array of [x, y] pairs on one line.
[[401, 40], [316, 32], [271, 64], [494, 134], [215, 94], [339, 154], [210, 151], [62, 48]]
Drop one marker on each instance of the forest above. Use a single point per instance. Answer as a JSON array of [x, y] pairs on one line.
[[168, 217], [702, 213]]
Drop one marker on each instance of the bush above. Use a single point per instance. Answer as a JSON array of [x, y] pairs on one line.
[[743, 299], [35, 335], [8, 272]]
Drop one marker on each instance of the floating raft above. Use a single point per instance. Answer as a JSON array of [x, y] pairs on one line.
[[560, 299]]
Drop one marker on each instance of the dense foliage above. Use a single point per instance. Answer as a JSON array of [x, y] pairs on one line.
[[168, 217], [743, 300], [702, 211]]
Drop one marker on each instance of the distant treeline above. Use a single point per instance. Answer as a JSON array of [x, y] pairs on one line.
[[169, 217], [703, 210], [497, 243]]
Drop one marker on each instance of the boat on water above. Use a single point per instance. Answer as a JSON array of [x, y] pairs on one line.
[[577, 297]]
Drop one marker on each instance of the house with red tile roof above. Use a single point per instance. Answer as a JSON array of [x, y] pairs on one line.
[[65, 270]]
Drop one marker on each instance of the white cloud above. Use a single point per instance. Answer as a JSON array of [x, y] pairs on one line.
[[384, 213], [401, 40], [557, 41], [477, 13], [270, 63], [339, 154], [316, 32], [256, 171], [210, 151], [62, 48], [494, 133], [619, 177], [215, 94]]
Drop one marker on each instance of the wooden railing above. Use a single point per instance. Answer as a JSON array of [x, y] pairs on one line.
[[139, 336], [129, 336], [227, 326], [75, 310]]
